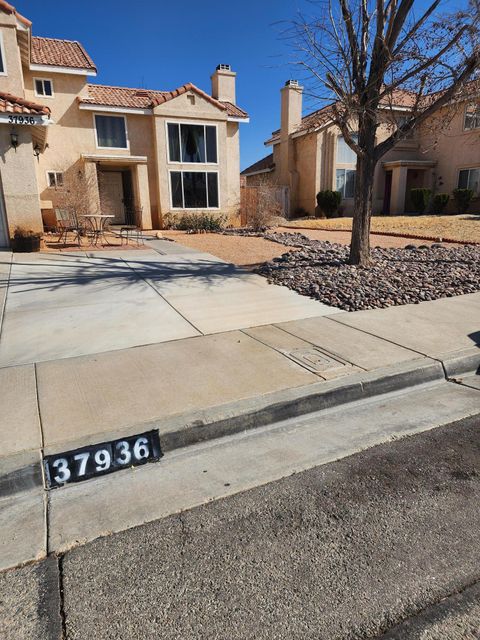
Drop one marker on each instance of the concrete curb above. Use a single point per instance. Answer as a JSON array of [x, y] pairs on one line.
[[243, 415], [183, 430], [462, 362]]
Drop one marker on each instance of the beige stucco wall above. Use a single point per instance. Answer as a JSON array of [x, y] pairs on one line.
[[12, 82], [453, 148], [180, 109], [19, 181]]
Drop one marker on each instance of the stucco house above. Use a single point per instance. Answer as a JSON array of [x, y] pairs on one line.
[[309, 154], [147, 152]]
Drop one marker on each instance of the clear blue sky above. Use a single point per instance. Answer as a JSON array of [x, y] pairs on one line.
[[162, 45]]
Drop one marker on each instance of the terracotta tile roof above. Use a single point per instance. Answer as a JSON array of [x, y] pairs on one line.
[[265, 164], [234, 111], [148, 98], [8, 8], [60, 53], [13, 104], [119, 96]]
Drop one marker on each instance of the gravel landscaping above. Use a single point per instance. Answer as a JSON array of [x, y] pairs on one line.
[[396, 276]]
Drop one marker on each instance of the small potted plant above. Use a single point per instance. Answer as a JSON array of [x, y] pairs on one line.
[[26, 241]]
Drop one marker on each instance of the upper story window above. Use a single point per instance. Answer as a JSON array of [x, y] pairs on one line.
[[111, 132], [43, 88], [3, 60], [345, 155], [55, 179], [472, 116], [469, 179], [192, 143]]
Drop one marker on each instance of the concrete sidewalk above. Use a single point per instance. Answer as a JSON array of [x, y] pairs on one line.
[[65, 305], [191, 387]]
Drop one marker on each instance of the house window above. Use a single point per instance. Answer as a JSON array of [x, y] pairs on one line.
[[194, 190], [43, 88], [345, 155], [472, 116], [111, 132], [469, 179], [346, 182], [3, 60], [55, 179], [192, 143]]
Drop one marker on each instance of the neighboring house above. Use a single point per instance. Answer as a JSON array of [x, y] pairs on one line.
[[147, 152], [310, 154]]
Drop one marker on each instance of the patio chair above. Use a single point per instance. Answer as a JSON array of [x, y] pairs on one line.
[[66, 223], [132, 231]]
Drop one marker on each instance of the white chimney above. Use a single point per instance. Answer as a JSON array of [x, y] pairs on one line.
[[223, 83]]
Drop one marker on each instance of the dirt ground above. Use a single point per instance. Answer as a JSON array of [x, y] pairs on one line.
[[343, 237], [463, 228], [244, 251]]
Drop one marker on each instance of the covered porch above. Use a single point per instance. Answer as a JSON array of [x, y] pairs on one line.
[[123, 189], [400, 177]]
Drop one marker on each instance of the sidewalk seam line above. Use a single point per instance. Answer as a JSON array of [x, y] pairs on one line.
[[42, 469], [269, 346], [332, 353], [7, 290], [162, 297]]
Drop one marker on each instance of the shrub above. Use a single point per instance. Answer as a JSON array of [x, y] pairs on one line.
[[420, 199], [329, 201], [439, 202], [197, 222], [267, 210], [462, 198], [25, 240]]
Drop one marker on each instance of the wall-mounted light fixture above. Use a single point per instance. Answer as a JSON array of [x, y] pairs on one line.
[[14, 140], [36, 150]]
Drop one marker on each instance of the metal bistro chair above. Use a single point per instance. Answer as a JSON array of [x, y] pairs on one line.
[[67, 222], [131, 229]]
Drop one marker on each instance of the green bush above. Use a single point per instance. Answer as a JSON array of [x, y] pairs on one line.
[[420, 199], [329, 201], [462, 198], [439, 202], [196, 222]]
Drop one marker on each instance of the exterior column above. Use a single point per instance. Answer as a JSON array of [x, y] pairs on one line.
[[399, 187], [91, 181], [142, 191], [19, 181]]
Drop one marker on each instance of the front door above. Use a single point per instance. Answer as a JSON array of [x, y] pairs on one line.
[[111, 195]]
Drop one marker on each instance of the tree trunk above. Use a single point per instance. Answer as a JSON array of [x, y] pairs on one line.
[[360, 245]]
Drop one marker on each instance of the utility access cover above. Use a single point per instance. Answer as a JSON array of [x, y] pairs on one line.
[[314, 359]]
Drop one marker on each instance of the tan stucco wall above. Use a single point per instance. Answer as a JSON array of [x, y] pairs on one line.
[[180, 109], [306, 154], [453, 149], [19, 181], [13, 81]]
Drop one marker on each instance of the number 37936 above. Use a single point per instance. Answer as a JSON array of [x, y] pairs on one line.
[[96, 460]]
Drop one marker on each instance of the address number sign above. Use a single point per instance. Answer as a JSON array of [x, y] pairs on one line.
[[87, 462]]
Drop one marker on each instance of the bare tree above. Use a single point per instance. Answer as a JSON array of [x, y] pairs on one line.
[[78, 193], [362, 56]]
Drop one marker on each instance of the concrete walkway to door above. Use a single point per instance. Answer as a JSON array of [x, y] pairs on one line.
[[71, 304]]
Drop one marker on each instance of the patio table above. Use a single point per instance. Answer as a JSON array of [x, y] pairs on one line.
[[98, 223]]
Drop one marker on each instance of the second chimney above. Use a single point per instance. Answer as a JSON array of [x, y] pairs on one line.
[[223, 83], [291, 107]]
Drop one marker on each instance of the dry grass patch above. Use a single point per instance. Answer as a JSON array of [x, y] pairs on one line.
[[457, 228]]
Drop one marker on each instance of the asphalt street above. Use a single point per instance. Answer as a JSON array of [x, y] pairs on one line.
[[382, 544]]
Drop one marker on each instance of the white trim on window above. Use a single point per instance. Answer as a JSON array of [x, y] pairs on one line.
[[207, 208], [43, 80], [127, 148], [195, 164], [477, 116], [477, 168], [55, 175], [4, 58]]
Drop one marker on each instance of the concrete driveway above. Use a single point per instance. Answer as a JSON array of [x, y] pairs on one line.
[[70, 304]]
